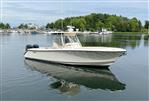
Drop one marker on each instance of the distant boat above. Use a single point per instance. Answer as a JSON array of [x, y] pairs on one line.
[[14, 31], [94, 33], [21, 31], [4, 32], [104, 32], [1, 31]]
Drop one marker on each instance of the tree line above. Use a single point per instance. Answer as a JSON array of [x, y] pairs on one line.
[[23, 26], [97, 21], [4, 26], [94, 22]]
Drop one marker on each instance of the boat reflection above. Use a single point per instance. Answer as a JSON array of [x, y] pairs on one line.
[[70, 78]]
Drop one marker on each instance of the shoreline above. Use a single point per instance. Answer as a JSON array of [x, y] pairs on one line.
[[130, 33], [39, 30]]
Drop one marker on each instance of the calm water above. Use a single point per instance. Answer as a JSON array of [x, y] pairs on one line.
[[25, 80]]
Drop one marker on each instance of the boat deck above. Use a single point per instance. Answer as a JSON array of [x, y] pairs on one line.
[[107, 49]]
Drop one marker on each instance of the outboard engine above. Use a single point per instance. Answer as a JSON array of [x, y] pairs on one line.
[[31, 46], [28, 47], [35, 46]]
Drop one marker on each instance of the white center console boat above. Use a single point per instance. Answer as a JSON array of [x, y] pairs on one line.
[[68, 50]]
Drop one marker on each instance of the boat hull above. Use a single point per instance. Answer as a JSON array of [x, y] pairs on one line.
[[74, 57]]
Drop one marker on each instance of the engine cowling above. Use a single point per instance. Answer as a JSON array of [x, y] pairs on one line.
[[31, 46], [28, 47], [35, 46]]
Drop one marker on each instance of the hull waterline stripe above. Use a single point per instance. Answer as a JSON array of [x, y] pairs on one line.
[[74, 63]]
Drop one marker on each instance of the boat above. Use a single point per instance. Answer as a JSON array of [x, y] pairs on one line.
[[105, 32], [13, 31], [70, 78], [1, 31], [68, 50]]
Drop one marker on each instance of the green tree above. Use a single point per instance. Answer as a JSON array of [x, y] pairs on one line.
[[146, 24], [51, 26], [4, 26], [96, 21], [79, 23], [21, 26], [134, 24], [99, 25], [7, 26]]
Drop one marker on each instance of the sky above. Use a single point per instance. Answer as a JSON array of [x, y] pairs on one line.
[[42, 12]]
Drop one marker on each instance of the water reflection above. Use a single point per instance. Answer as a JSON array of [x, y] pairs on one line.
[[115, 40], [66, 87], [146, 40], [70, 78]]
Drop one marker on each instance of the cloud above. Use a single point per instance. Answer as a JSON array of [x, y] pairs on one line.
[[43, 12]]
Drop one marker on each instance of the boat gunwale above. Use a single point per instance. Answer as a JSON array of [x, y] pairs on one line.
[[75, 49]]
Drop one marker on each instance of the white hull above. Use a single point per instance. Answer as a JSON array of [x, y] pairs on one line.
[[91, 56], [104, 33]]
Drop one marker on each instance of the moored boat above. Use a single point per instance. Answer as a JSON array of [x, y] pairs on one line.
[[67, 49]]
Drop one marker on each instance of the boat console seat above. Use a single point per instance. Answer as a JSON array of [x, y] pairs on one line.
[[55, 45], [67, 45], [72, 45]]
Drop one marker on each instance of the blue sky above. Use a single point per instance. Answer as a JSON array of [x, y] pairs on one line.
[[41, 12]]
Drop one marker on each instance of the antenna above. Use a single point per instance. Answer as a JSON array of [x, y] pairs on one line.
[[61, 11], [62, 27]]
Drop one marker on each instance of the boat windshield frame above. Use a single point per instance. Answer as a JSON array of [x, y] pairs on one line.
[[67, 38]]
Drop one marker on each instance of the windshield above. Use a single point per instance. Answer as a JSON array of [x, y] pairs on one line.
[[56, 39], [71, 39], [61, 40]]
